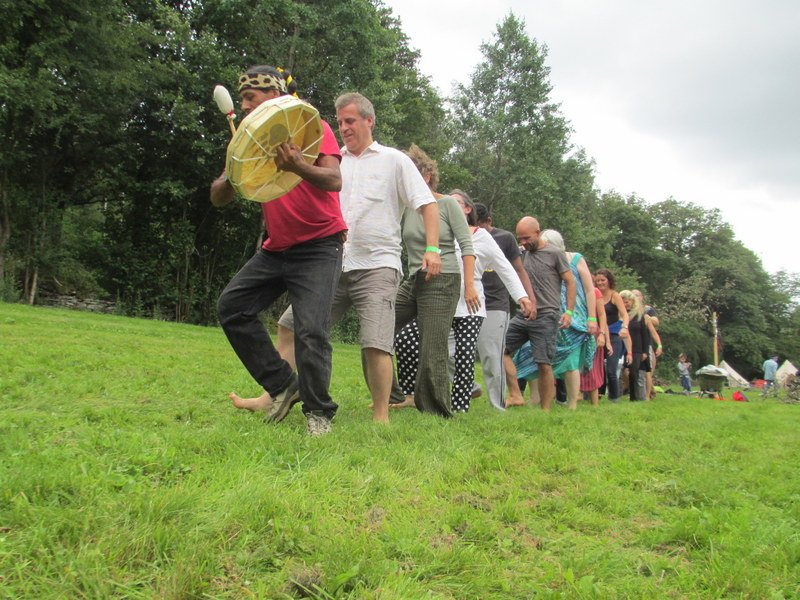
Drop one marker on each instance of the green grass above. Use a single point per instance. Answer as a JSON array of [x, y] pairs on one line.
[[126, 473]]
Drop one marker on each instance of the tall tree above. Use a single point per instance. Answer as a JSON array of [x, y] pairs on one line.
[[510, 140]]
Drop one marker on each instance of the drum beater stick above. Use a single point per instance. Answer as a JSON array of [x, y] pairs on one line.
[[225, 103]]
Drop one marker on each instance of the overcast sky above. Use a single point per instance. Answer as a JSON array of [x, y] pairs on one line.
[[696, 100]]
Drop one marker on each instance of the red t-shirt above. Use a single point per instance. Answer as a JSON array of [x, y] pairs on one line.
[[306, 212]]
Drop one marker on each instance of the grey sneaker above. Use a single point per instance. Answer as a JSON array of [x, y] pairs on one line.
[[318, 424], [283, 402]]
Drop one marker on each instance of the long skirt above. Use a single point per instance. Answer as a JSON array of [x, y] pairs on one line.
[[594, 378]]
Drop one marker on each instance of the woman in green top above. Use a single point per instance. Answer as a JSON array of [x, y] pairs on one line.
[[430, 300]]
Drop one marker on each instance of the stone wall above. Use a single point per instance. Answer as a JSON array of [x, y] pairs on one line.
[[74, 302]]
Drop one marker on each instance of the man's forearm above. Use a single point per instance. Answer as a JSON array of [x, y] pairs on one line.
[[325, 178]]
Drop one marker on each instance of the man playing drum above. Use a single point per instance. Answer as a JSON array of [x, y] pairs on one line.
[[302, 255]]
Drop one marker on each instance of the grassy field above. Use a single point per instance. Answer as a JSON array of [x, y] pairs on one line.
[[126, 473]]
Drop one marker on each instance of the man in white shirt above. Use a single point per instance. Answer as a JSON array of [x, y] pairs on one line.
[[378, 183]]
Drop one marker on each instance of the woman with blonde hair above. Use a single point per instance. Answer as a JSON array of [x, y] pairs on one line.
[[639, 346]]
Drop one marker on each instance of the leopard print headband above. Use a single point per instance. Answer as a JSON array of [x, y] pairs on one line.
[[262, 81]]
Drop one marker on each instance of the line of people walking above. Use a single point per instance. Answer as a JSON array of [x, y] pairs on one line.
[[336, 240]]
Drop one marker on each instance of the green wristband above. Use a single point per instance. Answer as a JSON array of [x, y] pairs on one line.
[[569, 312], [592, 319], [433, 249]]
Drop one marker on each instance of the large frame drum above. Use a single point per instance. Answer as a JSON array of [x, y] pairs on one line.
[[250, 165]]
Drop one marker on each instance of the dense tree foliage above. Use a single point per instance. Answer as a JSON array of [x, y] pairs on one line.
[[109, 109], [111, 140]]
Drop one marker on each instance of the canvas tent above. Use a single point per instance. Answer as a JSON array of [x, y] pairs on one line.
[[734, 379], [786, 369]]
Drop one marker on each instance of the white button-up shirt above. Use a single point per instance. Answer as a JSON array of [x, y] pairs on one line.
[[377, 185]]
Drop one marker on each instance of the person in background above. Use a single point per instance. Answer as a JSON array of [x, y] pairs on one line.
[[770, 368], [575, 345], [684, 367], [593, 379], [653, 324], [547, 267], [640, 343], [492, 338], [617, 319]]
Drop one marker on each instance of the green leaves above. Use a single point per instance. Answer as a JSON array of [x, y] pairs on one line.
[[511, 137]]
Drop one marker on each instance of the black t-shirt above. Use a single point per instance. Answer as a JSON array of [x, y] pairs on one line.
[[494, 290]]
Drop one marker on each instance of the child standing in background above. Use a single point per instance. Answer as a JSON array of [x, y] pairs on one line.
[[683, 371]]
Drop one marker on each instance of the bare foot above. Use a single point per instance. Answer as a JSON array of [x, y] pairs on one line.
[[409, 401], [515, 401], [263, 402]]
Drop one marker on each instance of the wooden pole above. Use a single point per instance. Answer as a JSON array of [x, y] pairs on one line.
[[716, 341]]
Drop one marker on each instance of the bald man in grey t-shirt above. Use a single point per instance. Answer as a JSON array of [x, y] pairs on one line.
[[547, 268]]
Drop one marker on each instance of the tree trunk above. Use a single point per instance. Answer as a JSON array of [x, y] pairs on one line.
[[184, 289], [26, 274], [33, 286], [5, 224], [292, 48], [39, 238]]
